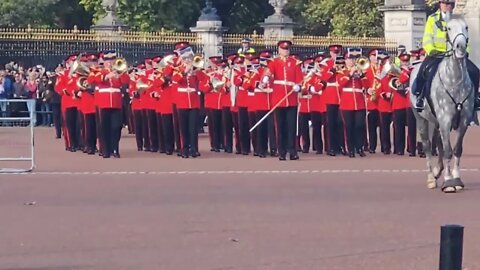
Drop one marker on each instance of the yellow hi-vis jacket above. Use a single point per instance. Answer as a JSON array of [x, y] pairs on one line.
[[435, 35], [240, 51]]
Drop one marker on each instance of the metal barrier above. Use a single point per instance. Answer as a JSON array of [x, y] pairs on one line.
[[17, 120]]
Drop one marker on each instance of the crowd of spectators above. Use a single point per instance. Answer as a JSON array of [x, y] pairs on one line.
[[28, 83]]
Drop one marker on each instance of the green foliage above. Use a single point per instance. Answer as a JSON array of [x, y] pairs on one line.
[[24, 12], [313, 17], [43, 13], [346, 17]]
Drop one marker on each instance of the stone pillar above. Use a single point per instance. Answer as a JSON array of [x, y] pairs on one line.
[[405, 22], [278, 26], [471, 12], [210, 31]]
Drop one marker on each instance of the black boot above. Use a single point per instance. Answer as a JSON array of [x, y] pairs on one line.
[[420, 104]]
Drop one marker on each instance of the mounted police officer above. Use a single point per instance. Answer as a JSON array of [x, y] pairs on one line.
[[435, 45]]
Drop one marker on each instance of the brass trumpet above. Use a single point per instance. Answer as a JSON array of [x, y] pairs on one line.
[[362, 64]]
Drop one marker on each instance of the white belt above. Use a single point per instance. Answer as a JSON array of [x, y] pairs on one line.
[[266, 90], [306, 97], [353, 90], [251, 94], [186, 90], [332, 84], [109, 90], [284, 83]]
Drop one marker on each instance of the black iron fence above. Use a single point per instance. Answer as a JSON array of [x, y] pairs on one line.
[[49, 47]]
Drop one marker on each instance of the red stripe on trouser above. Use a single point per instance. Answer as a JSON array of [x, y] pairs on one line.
[[345, 132], [65, 130]]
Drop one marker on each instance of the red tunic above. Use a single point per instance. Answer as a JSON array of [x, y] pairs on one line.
[[331, 94], [286, 72], [261, 98], [185, 87], [108, 94], [213, 99], [316, 87], [351, 95], [136, 102], [384, 101], [400, 99], [371, 83]]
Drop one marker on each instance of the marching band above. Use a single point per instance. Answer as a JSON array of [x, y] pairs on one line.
[[255, 102]]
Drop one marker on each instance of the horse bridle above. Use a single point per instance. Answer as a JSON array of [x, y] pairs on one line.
[[450, 52]]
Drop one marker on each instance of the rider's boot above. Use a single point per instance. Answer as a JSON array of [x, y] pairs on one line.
[[418, 92]]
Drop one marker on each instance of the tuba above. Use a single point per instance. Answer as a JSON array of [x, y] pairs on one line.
[[198, 62], [79, 68], [82, 84], [166, 60], [217, 84], [393, 70], [120, 66]]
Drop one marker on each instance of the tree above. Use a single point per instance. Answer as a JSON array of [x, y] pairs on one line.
[[346, 17], [43, 13]]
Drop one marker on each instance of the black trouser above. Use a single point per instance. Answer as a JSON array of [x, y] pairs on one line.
[[335, 130], [111, 120], [176, 128], [160, 133], [304, 131], [427, 69], [71, 126], [412, 132], [152, 129], [317, 123], [272, 133], [227, 129], [215, 128], [138, 120], [188, 120], [399, 124], [57, 119], [90, 131], [98, 122], [167, 122], [145, 130], [474, 74], [251, 122], [243, 128], [385, 140], [354, 124], [286, 122], [236, 129], [262, 133], [81, 134], [373, 121]]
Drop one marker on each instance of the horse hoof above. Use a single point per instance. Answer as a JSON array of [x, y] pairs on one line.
[[449, 190], [458, 188], [431, 181]]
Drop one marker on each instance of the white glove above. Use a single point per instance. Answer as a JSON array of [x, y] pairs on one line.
[[297, 88], [265, 79], [312, 89]]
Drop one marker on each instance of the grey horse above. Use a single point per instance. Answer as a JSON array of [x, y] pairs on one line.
[[450, 107]]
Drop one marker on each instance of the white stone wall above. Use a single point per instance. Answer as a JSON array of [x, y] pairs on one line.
[[405, 27]]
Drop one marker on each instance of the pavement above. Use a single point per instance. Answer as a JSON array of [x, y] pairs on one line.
[[229, 212]]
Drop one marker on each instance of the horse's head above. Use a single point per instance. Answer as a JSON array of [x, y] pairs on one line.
[[457, 35]]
